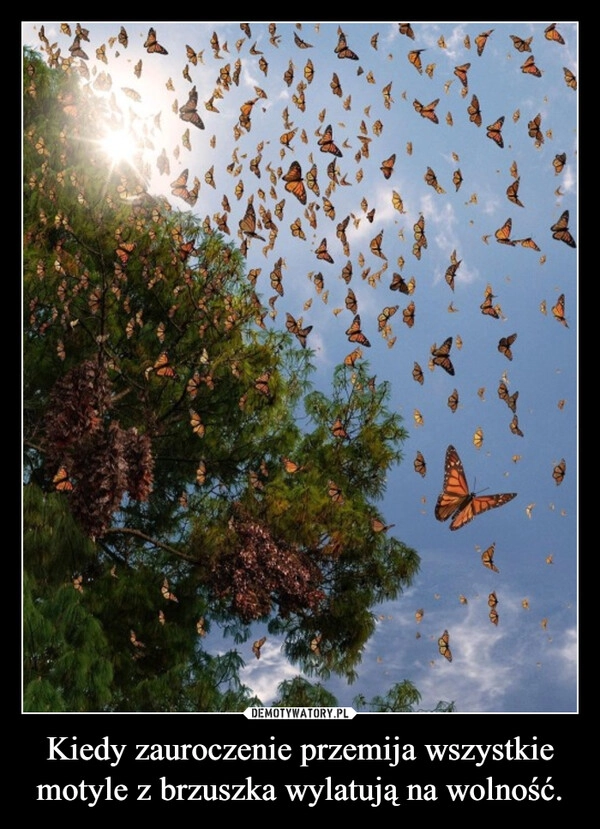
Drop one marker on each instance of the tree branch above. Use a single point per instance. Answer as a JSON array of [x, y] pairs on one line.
[[144, 537]]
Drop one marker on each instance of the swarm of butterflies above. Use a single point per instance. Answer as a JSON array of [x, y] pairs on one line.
[[285, 161]]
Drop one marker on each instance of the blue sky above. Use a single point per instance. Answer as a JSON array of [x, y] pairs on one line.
[[528, 662]]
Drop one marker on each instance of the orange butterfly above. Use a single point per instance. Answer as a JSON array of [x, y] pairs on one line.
[[444, 646], [529, 67], [481, 40], [355, 334], [558, 473], [441, 355], [327, 144], [509, 399], [179, 186], [414, 57], [61, 480], [512, 193], [560, 230], [558, 162], [420, 464], [487, 307], [387, 166], [342, 50], [474, 111], [503, 233], [533, 128], [504, 345], [520, 44], [294, 183], [256, 646], [335, 493], [487, 557], [198, 428], [152, 45], [124, 251], [417, 374], [406, 29], [294, 327], [453, 401], [375, 245], [162, 367], [514, 426], [494, 131], [570, 79], [456, 501], [408, 314], [248, 223], [399, 284], [559, 310], [551, 33], [188, 112], [427, 110], [385, 315], [323, 253]]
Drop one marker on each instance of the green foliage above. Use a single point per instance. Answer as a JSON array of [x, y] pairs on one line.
[[401, 698], [169, 487]]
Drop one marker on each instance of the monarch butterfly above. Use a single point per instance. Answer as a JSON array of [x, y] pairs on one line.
[[335, 493], [375, 246], [441, 356], [309, 71], [257, 645], [418, 418], [533, 128], [61, 480], [350, 359], [551, 33], [453, 401], [520, 44], [451, 273], [166, 592], [509, 399], [487, 558], [455, 500], [570, 79], [431, 179], [301, 44], [294, 183], [385, 315], [558, 162], [188, 112], [461, 74], [427, 110], [335, 85], [492, 599], [503, 233], [494, 131], [560, 230], [529, 67], [559, 310], [481, 40], [399, 284], [406, 29], [478, 438], [444, 646], [124, 251], [355, 334], [558, 473], [322, 252], [419, 232], [328, 208], [347, 272], [327, 144], [420, 464], [261, 384], [77, 52], [408, 314], [311, 180], [296, 228], [487, 307], [457, 179], [342, 50], [198, 428], [162, 367], [414, 57], [247, 223], [474, 111], [493, 614], [504, 345], [514, 426], [350, 301], [417, 374], [387, 166], [397, 202], [152, 45], [294, 327], [512, 193]]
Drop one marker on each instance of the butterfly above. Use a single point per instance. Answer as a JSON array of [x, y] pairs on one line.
[[481, 40], [351, 302], [457, 179], [431, 180], [247, 224], [474, 111], [560, 230], [385, 315], [188, 112], [375, 246], [335, 493], [559, 310], [152, 45], [398, 284], [509, 399], [162, 367], [493, 614], [309, 71], [417, 374], [533, 128], [406, 29], [355, 334], [408, 314], [520, 44], [453, 401], [461, 73], [456, 501], [551, 33], [327, 144], [387, 166], [558, 162], [487, 558], [570, 79], [428, 110], [444, 646], [504, 345], [166, 592], [350, 359], [487, 306], [414, 57], [311, 180], [198, 428], [294, 183], [342, 50], [420, 464], [494, 131], [61, 480], [478, 438], [261, 384], [294, 327], [124, 251], [322, 252], [512, 193], [335, 85], [529, 67], [441, 356], [256, 646], [503, 233], [558, 473]]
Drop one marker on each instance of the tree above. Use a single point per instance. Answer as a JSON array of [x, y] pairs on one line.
[[168, 484], [401, 698]]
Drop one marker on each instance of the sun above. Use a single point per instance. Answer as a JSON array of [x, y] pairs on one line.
[[119, 146]]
